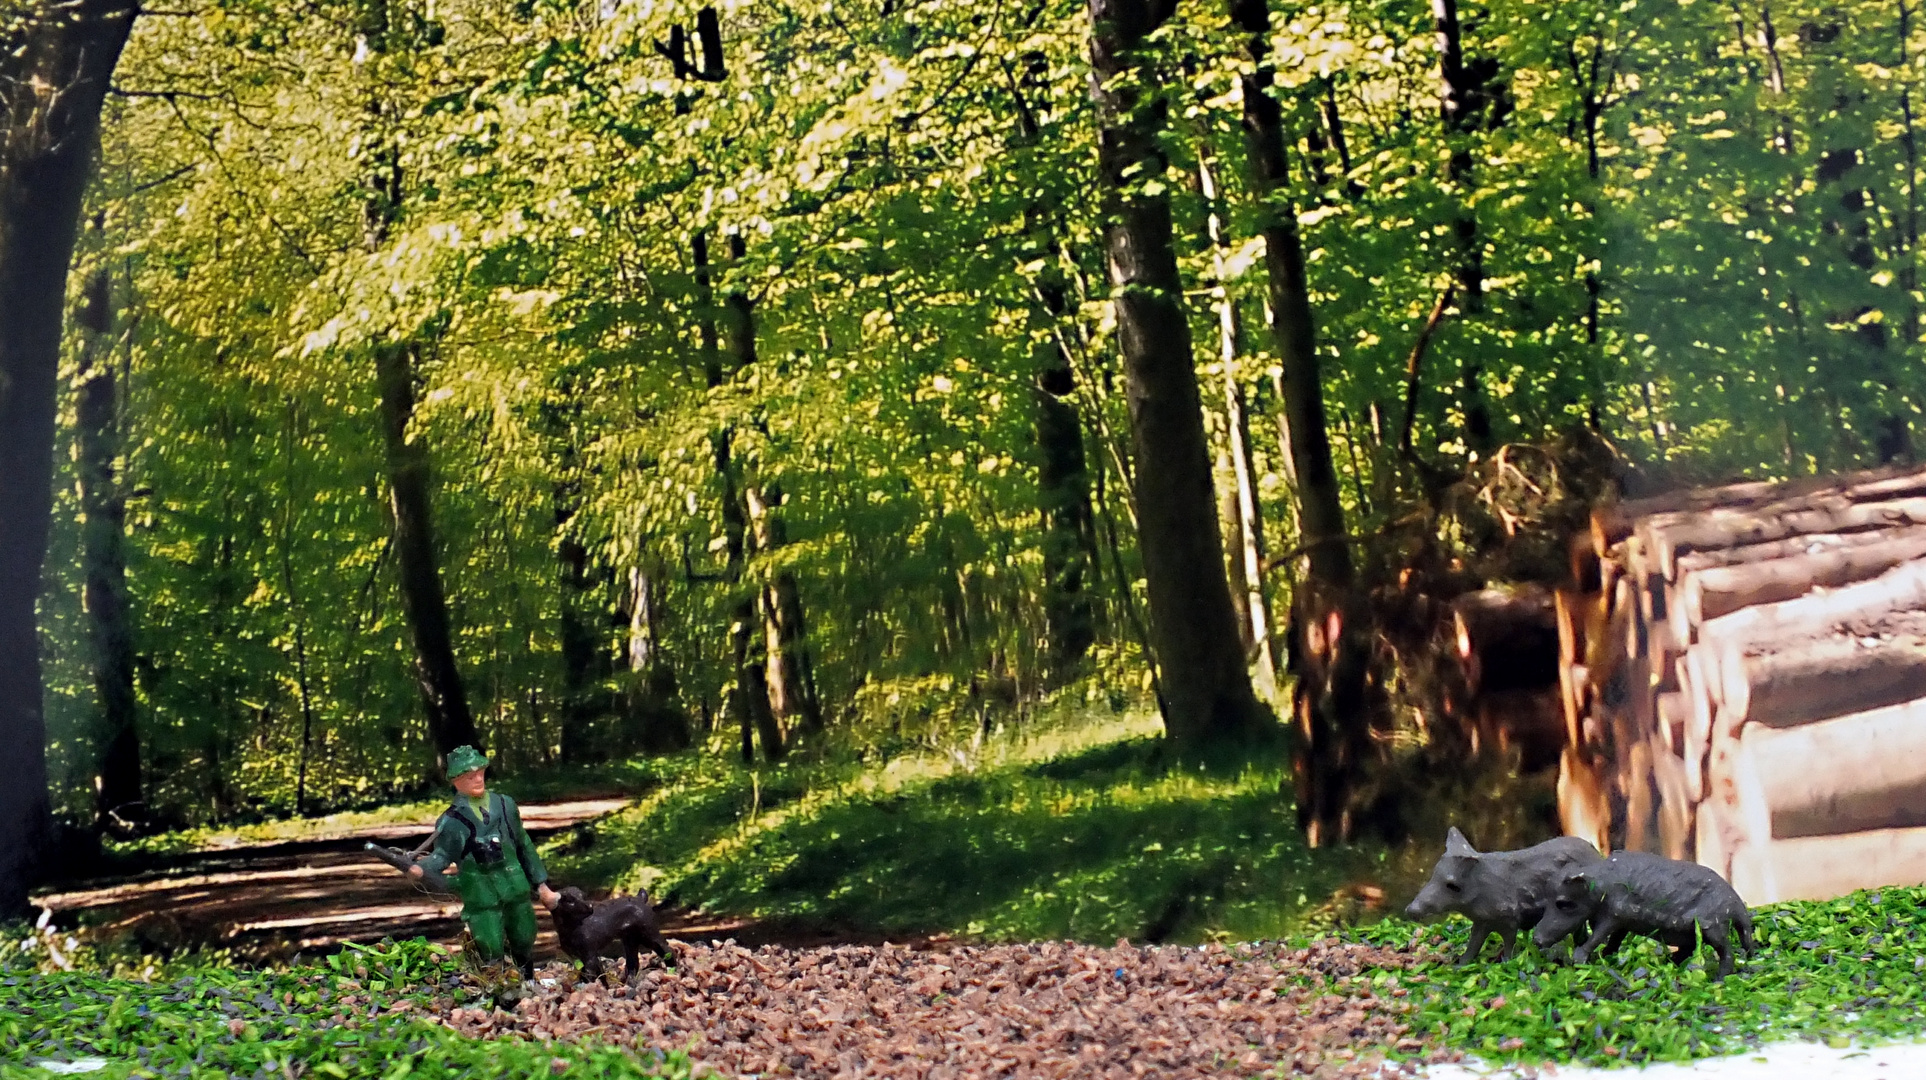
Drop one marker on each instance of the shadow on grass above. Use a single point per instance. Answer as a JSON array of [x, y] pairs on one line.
[[1119, 839]]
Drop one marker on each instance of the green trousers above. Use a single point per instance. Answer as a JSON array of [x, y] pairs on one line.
[[513, 921], [496, 906]]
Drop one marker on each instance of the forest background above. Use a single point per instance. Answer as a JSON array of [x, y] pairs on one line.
[[736, 381]]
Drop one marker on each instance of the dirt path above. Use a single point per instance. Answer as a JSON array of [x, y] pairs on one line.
[[310, 895], [1018, 1012]]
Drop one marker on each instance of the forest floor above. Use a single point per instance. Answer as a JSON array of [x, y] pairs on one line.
[[953, 912]]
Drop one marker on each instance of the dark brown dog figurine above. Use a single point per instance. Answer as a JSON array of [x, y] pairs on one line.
[[618, 926]]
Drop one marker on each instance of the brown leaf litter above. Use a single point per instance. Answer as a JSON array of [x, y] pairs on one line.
[[1006, 1011]]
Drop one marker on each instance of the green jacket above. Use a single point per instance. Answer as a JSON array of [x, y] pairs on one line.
[[469, 837]]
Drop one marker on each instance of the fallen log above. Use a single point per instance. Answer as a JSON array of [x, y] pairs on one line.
[[1899, 590], [1790, 547], [1612, 524], [1825, 867], [1814, 680], [1507, 639], [1849, 774], [1666, 541], [1710, 593]]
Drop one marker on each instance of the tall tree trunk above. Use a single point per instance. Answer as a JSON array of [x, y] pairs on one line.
[[749, 702], [657, 721], [450, 723], [1246, 534], [1063, 489], [580, 651], [53, 78], [792, 678], [103, 508], [1063, 477], [299, 616], [1459, 89], [1329, 648], [1206, 689]]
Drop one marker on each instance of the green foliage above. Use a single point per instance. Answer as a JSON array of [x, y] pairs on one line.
[[1702, 242], [358, 1014], [1839, 971]]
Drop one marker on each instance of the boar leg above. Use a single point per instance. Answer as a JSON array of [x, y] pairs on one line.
[[1603, 930], [1744, 924], [1508, 936], [1718, 934], [1479, 932]]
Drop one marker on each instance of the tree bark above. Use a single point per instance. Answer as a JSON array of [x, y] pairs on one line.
[[1063, 490], [1329, 650], [1063, 477], [1246, 521], [582, 655], [1207, 692], [660, 726], [1458, 90], [1807, 681], [1710, 593], [792, 677], [749, 703], [103, 507], [450, 724], [1733, 528], [53, 78], [299, 618]]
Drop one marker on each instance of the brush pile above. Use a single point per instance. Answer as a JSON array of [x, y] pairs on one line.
[[1743, 675]]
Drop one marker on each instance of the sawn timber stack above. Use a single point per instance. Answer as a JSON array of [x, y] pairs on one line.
[[1743, 675]]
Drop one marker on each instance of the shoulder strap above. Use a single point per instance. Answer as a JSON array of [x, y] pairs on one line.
[[467, 825]]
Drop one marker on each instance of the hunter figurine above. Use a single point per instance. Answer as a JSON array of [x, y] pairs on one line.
[[479, 842]]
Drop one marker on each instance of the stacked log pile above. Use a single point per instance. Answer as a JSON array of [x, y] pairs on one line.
[[1743, 676]]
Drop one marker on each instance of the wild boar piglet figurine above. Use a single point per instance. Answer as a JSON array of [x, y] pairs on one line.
[[1636, 893], [1501, 892]]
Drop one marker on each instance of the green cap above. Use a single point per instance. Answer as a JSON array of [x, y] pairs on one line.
[[465, 759]]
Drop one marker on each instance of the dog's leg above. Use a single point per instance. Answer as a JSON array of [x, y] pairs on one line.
[[632, 960]]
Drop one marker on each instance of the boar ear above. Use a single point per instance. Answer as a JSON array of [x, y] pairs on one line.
[[1577, 877], [1456, 844]]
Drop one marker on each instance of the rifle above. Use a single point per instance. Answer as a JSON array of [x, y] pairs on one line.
[[405, 860]]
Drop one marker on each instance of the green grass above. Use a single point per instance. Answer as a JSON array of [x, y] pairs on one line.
[[1840, 971], [1088, 830], [202, 1019]]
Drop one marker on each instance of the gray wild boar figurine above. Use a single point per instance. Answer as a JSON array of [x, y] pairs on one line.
[[1636, 893], [1501, 892]]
